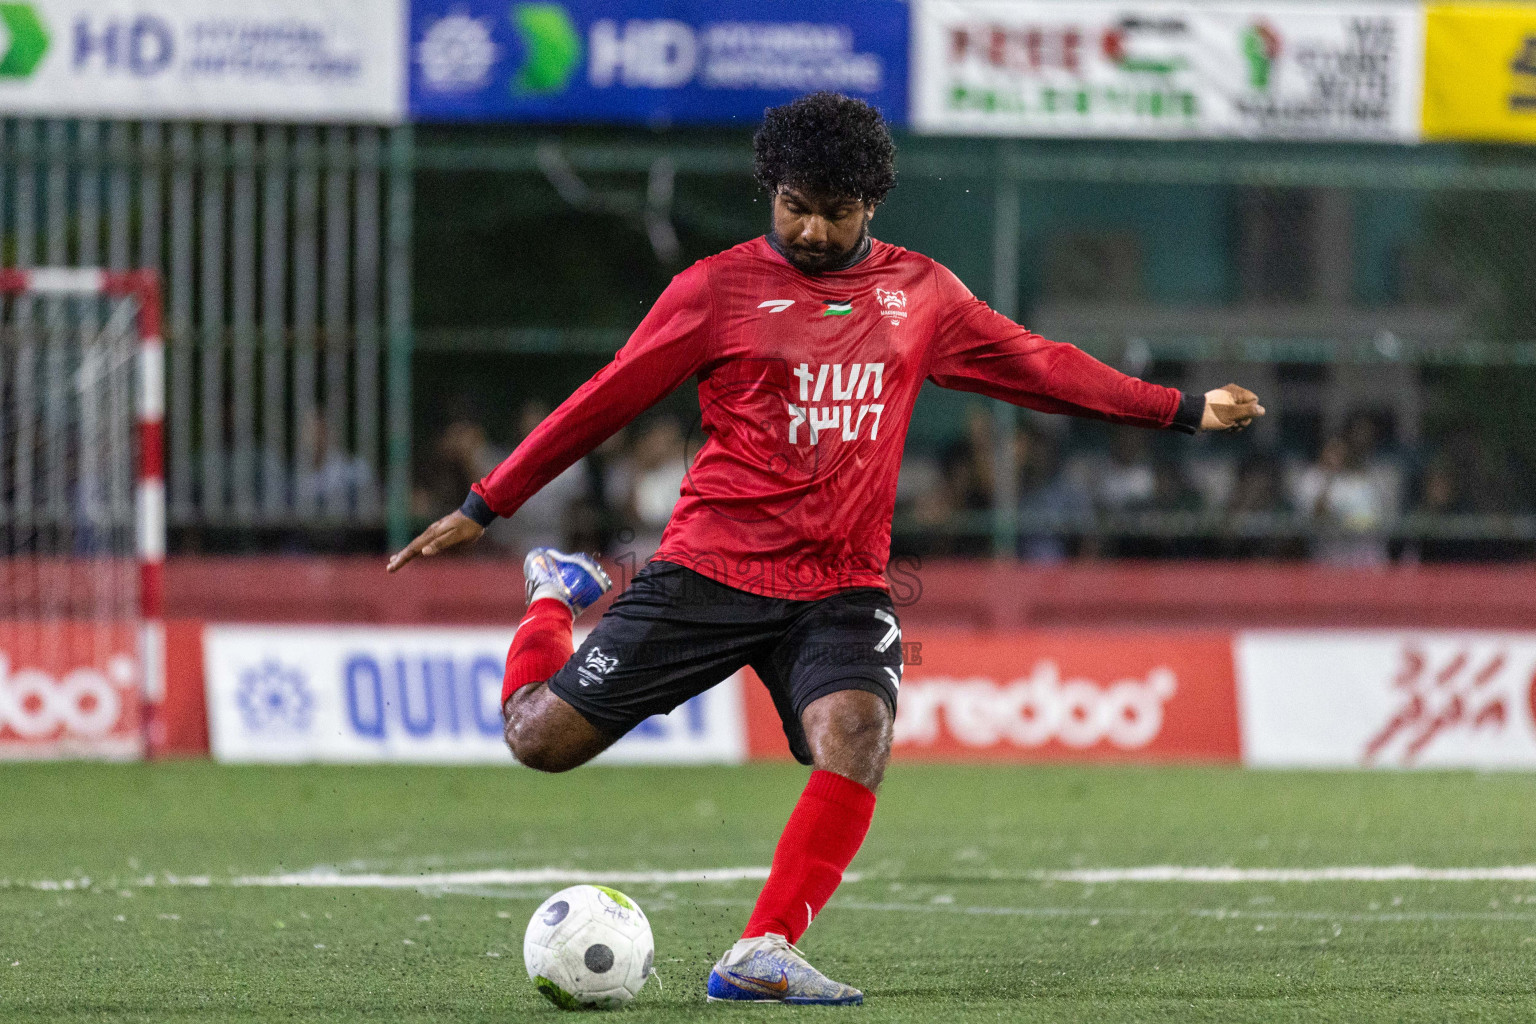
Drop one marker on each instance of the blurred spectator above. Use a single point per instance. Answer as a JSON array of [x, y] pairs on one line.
[[1171, 489], [645, 486], [1351, 495], [1462, 479], [1126, 481], [459, 456], [1257, 511], [1468, 475], [923, 493], [543, 519], [967, 490], [1052, 504], [1071, 503], [325, 476], [1259, 490], [920, 475], [1440, 490], [592, 520], [968, 462]]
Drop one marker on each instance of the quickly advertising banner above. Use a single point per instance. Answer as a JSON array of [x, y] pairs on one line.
[[70, 689], [1387, 699], [1164, 70], [1480, 73], [1053, 696], [289, 60], [315, 693], [1267, 698], [650, 61]]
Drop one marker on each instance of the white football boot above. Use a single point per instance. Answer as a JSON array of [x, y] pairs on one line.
[[770, 970], [576, 581]]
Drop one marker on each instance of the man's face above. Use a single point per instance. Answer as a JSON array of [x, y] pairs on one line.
[[818, 232]]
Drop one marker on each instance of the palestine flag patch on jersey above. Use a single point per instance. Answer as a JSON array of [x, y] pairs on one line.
[[837, 309]]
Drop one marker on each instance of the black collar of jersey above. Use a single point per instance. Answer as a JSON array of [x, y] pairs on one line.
[[854, 258]]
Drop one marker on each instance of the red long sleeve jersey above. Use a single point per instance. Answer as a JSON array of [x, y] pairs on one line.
[[806, 386]]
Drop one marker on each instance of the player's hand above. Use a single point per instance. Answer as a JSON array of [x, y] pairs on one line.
[[1230, 408], [453, 529]]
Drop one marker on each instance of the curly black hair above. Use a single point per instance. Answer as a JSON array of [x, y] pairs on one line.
[[827, 145]]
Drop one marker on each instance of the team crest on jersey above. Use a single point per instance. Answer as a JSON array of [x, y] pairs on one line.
[[893, 304], [596, 666]]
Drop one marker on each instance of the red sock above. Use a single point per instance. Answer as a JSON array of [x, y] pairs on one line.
[[824, 832], [541, 646]]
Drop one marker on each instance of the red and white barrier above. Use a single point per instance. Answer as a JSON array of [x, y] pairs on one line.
[[1315, 698], [1053, 696], [80, 665], [1402, 699], [69, 689]]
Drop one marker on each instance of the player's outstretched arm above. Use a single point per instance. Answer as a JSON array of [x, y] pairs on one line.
[[453, 529], [669, 346], [1232, 407]]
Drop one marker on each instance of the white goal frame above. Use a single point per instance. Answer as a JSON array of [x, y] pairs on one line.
[[142, 287]]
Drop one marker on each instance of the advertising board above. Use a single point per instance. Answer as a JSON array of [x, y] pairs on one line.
[[424, 695], [1480, 72], [70, 689], [1166, 70], [290, 60], [650, 62], [1343, 699], [1053, 696]]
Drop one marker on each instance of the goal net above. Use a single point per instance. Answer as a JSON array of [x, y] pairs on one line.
[[82, 534]]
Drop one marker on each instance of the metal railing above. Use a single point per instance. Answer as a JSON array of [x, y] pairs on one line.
[[285, 252]]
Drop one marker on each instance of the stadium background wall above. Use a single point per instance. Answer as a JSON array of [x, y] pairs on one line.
[[1394, 668]]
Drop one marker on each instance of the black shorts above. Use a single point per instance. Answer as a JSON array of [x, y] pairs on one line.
[[674, 633]]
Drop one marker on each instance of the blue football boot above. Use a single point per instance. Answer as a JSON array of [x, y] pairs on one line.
[[770, 970], [574, 580]]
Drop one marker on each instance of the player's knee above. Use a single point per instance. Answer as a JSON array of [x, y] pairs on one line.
[[547, 734], [850, 734], [545, 759], [540, 752], [856, 718], [533, 743]]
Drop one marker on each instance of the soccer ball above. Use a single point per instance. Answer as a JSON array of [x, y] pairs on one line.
[[589, 946]]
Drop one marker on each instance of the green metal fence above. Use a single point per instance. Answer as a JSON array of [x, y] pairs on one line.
[[285, 252], [330, 289], [1338, 281]]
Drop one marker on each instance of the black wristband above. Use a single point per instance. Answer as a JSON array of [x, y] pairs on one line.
[[1188, 417], [475, 508]]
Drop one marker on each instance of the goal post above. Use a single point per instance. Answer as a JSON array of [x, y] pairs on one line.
[[82, 502]]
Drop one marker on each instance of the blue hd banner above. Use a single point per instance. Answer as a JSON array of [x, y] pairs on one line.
[[651, 61]]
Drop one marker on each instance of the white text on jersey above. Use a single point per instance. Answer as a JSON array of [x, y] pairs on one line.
[[860, 381]]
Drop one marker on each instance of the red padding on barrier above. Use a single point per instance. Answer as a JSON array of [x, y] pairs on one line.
[[151, 449], [1059, 695], [976, 595], [180, 726]]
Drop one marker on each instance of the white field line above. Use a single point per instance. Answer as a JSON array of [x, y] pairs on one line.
[[498, 876], [1204, 913], [327, 878], [330, 878], [1390, 873], [1216, 914]]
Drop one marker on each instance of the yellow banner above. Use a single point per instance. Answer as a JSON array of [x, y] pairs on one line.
[[1480, 72]]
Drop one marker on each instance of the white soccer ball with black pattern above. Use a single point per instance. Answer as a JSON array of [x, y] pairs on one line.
[[589, 946]]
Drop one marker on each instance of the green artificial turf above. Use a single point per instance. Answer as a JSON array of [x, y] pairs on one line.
[[946, 923]]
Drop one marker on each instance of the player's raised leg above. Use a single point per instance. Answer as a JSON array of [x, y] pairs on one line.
[[849, 732], [543, 731]]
